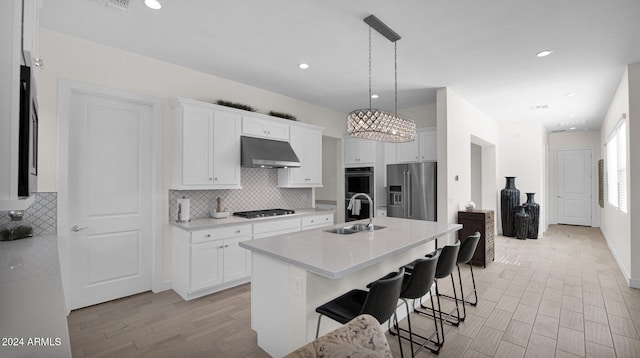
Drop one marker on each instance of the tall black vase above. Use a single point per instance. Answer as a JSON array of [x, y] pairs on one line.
[[533, 209], [521, 222], [509, 200]]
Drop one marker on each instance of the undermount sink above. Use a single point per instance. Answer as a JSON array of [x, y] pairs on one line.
[[352, 229]]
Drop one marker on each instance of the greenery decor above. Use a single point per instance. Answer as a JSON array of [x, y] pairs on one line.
[[236, 105], [282, 115]]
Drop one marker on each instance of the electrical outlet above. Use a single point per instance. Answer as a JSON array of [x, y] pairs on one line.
[[297, 285]]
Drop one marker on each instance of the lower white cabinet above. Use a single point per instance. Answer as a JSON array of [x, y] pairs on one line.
[[316, 221], [207, 261], [275, 227]]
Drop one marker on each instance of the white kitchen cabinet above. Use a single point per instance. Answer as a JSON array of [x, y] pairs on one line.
[[206, 151], [423, 148], [264, 128], [206, 261], [408, 151], [428, 144], [359, 152], [31, 27], [316, 221], [275, 227], [307, 144]]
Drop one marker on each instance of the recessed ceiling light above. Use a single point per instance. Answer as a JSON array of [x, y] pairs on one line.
[[303, 66], [572, 115], [544, 53], [374, 96], [572, 128], [153, 4], [570, 94]]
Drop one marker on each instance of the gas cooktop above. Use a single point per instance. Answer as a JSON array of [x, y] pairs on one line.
[[263, 213]]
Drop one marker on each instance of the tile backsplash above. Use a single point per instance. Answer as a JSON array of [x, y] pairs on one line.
[[258, 192], [41, 215]]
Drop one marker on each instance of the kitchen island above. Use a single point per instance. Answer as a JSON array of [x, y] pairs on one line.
[[295, 273]]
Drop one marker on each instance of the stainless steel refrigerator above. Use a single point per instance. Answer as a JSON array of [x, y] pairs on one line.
[[411, 191]]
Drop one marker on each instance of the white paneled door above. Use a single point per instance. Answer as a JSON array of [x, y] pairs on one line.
[[110, 167], [573, 187]]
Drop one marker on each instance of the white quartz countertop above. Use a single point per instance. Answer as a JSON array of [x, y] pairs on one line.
[[334, 256], [32, 310], [210, 223]]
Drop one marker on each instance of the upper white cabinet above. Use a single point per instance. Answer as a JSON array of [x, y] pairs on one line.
[[423, 148], [408, 151], [264, 128], [31, 26], [359, 152], [428, 143], [306, 142], [206, 147]]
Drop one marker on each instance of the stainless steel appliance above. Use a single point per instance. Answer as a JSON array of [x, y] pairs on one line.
[[358, 180], [266, 153], [411, 191], [263, 213]]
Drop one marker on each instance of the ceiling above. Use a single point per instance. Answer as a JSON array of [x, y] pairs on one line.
[[485, 51]]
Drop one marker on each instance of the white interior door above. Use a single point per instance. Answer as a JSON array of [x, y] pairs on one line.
[[573, 187], [110, 166]]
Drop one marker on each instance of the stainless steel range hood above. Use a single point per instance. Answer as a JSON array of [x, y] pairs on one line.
[[266, 153]]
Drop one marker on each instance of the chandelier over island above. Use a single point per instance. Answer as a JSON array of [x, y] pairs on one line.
[[375, 124]]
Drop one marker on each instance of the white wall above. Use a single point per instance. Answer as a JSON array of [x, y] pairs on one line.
[[459, 123], [330, 153], [79, 60], [615, 225], [476, 174], [521, 156], [634, 170], [575, 140], [424, 116]]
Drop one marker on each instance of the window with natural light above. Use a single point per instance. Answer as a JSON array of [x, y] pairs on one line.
[[616, 150]]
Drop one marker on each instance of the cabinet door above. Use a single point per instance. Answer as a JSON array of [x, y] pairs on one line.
[[277, 131], [206, 264], [428, 145], [226, 149], [407, 152], [237, 261], [366, 151], [196, 146], [351, 151], [313, 158], [298, 141]]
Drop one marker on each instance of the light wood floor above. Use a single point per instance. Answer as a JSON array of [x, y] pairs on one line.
[[562, 295]]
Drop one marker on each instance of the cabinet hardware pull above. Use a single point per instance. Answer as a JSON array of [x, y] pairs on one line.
[[221, 247], [237, 231], [77, 228], [207, 235]]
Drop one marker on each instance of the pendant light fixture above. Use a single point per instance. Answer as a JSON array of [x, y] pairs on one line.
[[375, 124]]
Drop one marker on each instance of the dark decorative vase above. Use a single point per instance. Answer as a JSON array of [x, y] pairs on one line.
[[522, 223], [533, 209], [509, 201]]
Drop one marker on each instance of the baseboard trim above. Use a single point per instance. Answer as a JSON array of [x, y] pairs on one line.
[[165, 285], [627, 277]]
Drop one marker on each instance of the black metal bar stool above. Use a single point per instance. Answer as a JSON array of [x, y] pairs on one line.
[[380, 302], [416, 284], [467, 249], [446, 264]]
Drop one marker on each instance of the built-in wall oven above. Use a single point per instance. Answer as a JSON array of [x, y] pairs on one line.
[[358, 180], [28, 135]]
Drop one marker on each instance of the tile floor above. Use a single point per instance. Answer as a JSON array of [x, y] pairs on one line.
[[562, 295]]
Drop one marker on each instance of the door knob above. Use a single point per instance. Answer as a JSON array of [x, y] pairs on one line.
[[77, 228]]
